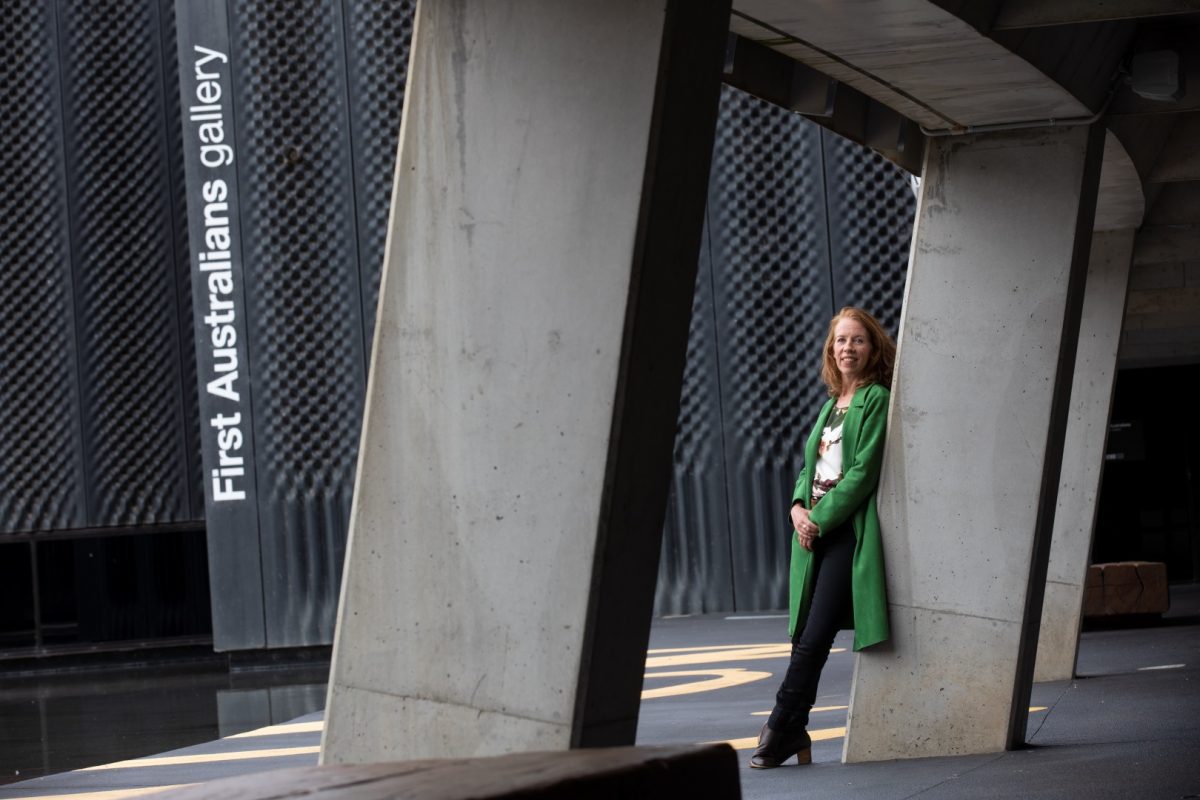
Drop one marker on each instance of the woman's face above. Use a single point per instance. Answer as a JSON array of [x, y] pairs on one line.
[[851, 349]]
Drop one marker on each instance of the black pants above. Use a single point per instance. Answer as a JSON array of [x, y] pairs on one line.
[[831, 604]]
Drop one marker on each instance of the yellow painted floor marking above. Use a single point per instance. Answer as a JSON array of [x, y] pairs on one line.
[[723, 678], [751, 652], [710, 647], [111, 794], [711, 656], [290, 727], [815, 709], [170, 761], [751, 742]]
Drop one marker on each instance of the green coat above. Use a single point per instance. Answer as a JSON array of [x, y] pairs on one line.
[[853, 498]]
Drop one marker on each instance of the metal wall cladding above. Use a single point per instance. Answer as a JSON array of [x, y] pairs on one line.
[[800, 222], [101, 422], [872, 208], [95, 417], [178, 183], [694, 573], [314, 203], [41, 485], [377, 45], [125, 250], [771, 264]]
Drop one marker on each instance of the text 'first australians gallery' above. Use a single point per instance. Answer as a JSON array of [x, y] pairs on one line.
[[215, 262]]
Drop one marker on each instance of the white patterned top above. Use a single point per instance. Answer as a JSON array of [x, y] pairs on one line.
[[828, 469]]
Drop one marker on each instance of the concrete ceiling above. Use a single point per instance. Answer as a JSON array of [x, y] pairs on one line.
[[889, 73]]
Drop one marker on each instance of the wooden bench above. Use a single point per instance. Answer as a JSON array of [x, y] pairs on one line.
[[1126, 588], [707, 771]]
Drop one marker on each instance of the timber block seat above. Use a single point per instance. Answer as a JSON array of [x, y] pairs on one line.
[[1126, 588], [708, 771]]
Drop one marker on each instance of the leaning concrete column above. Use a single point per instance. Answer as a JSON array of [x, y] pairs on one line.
[[525, 378], [1083, 452], [970, 473]]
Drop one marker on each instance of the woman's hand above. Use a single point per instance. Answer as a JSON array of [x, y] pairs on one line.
[[806, 529]]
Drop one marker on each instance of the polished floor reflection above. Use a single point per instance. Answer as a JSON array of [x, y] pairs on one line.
[[708, 678], [53, 723]]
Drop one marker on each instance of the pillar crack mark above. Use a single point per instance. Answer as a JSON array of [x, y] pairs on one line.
[[445, 702], [1049, 710], [956, 776], [956, 613]]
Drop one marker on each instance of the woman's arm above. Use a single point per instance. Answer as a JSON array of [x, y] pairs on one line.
[[803, 530]]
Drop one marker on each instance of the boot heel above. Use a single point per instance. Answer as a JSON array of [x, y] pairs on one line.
[[775, 747]]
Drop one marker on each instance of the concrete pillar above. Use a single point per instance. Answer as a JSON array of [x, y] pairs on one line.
[[1083, 452], [970, 474], [525, 378]]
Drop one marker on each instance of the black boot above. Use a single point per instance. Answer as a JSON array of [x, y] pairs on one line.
[[776, 747]]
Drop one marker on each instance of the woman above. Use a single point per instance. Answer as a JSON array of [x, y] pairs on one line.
[[837, 555]]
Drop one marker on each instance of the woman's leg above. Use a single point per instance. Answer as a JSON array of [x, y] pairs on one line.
[[831, 600]]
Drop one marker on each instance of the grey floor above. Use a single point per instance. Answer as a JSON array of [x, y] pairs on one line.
[[1129, 726]]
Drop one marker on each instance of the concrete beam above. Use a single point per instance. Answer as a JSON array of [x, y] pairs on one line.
[[1143, 138], [1158, 302], [1083, 453], [975, 440], [1162, 319], [1179, 159], [772, 76], [1145, 346], [525, 379], [1037, 13], [1083, 59], [1175, 204], [1162, 244], [914, 57], [1120, 204]]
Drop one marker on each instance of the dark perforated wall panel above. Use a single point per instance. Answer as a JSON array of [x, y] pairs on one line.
[[771, 260], [101, 422], [871, 213], [96, 422], [377, 49], [694, 572], [800, 223], [178, 183], [125, 249], [41, 481], [318, 89], [304, 308]]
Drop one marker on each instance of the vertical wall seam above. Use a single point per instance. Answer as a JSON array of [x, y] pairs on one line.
[[833, 299], [238, 134], [182, 326], [728, 521], [365, 355], [84, 450]]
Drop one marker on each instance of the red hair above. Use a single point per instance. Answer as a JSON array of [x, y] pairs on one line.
[[880, 361]]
